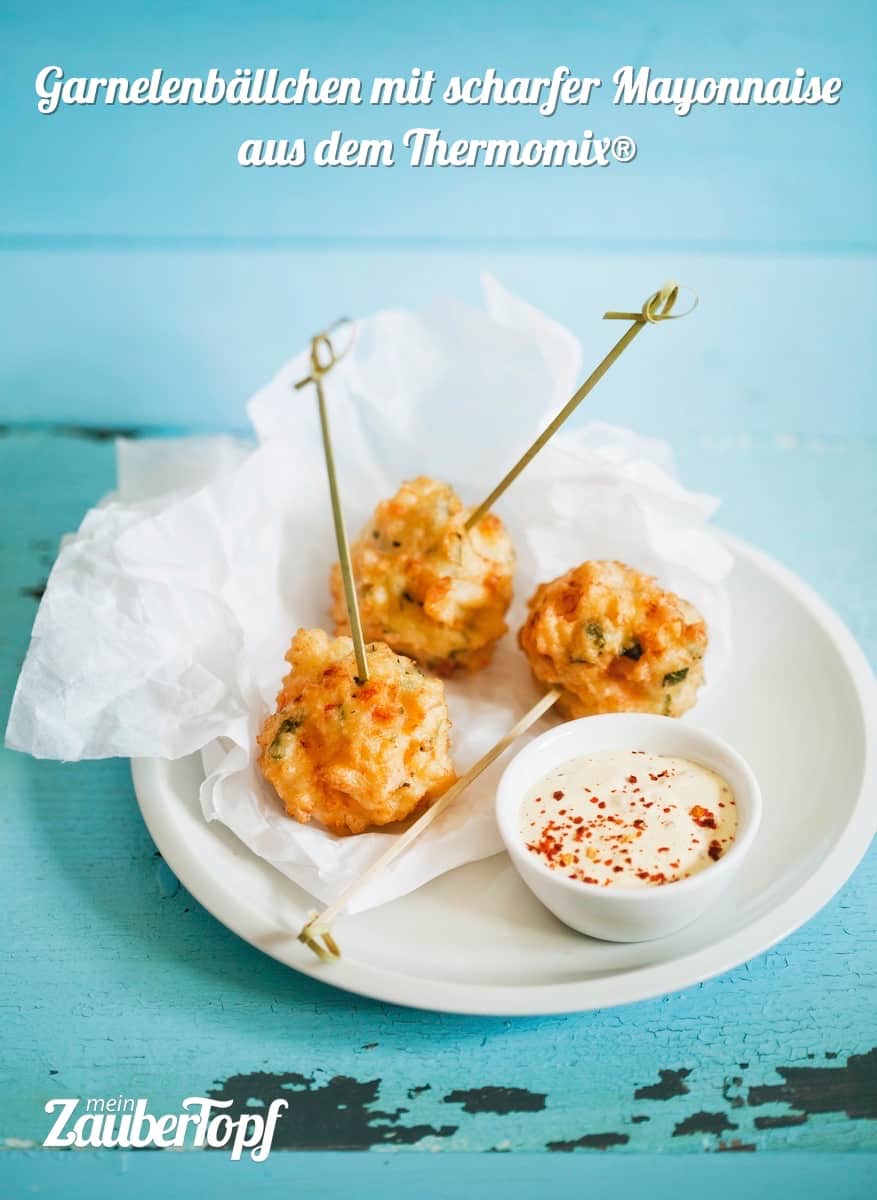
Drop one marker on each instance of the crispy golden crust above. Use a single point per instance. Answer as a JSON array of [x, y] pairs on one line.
[[427, 586], [349, 755], [613, 641]]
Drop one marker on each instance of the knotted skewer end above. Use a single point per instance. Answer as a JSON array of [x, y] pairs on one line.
[[324, 357], [310, 934], [659, 306]]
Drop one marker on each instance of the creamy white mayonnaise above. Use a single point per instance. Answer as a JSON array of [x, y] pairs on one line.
[[626, 818]]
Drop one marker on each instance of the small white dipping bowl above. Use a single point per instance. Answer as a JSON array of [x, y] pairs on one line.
[[626, 914]]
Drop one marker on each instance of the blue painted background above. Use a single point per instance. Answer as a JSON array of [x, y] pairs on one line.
[[147, 282], [728, 174], [146, 278]]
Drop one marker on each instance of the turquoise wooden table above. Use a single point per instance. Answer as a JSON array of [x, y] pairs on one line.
[[147, 287], [118, 982]]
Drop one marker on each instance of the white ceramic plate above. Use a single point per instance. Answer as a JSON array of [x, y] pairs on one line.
[[797, 702]]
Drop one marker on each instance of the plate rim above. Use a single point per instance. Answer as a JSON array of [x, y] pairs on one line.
[[643, 983]]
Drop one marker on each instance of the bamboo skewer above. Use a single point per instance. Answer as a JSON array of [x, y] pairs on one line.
[[323, 358], [319, 925], [321, 366], [657, 308]]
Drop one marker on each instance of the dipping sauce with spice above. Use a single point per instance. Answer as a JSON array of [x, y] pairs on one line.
[[629, 819]]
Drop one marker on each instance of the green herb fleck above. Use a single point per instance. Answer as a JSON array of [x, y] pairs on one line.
[[668, 704], [634, 651], [284, 737], [596, 634], [674, 677]]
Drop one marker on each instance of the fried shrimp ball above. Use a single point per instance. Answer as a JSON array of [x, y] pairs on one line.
[[354, 755], [427, 586], [613, 641]]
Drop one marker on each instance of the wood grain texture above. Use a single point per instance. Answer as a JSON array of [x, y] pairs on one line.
[[116, 981]]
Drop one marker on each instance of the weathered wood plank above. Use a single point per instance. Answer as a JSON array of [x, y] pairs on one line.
[[434, 1177], [117, 982]]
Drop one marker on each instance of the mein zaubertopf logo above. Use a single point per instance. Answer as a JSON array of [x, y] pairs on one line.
[[126, 1123]]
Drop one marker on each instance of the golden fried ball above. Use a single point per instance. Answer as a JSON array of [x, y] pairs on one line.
[[427, 586], [613, 641], [354, 755]]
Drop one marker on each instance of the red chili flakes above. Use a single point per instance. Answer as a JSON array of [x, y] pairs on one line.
[[557, 795], [602, 804], [702, 817], [631, 779], [666, 810], [550, 847], [639, 823], [617, 869], [663, 849], [661, 775], [715, 850]]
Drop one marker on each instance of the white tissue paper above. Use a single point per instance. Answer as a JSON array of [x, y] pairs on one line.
[[164, 624]]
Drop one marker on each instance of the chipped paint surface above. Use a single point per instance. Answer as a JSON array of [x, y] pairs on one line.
[[335, 1115], [704, 1122], [670, 1085], [850, 1089], [500, 1100], [344, 1113], [591, 1141], [117, 981]]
